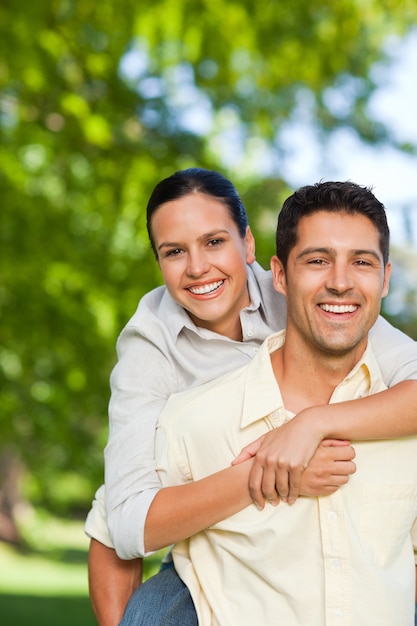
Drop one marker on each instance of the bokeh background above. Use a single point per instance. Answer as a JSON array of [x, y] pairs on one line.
[[98, 102]]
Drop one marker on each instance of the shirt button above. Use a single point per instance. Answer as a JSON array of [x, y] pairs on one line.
[[332, 516], [336, 563], [250, 333], [338, 613]]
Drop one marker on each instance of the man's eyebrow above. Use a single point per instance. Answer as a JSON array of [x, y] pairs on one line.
[[366, 251], [208, 235], [321, 250], [332, 251]]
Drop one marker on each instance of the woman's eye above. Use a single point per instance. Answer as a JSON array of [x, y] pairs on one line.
[[173, 252], [215, 242]]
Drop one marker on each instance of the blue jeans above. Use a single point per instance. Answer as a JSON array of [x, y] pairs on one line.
[[162, 600]]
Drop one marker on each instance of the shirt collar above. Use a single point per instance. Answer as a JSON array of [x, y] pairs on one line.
[[364, 379], [262, 396], [253, 287]]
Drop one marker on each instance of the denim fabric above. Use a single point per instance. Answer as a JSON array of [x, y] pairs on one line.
[[162, 600]]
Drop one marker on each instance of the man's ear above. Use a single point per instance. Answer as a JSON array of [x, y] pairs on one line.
[[250, 246], [278, 275], [387, 276]]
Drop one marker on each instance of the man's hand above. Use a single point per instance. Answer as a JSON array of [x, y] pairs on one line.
[[329, 469]]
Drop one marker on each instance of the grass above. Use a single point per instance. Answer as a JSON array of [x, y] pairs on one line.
[[45, 583]]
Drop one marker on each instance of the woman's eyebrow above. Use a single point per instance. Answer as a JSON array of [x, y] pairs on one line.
[[208, 235]]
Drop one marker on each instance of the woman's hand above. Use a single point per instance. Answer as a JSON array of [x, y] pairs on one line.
[[282, 456]]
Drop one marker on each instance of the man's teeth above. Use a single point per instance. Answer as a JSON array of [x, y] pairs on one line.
[[198, 291], [338, 308]]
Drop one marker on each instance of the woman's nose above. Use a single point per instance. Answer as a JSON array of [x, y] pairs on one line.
[[197, 264]]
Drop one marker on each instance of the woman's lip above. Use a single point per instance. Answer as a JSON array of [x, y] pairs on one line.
[[207, 288]]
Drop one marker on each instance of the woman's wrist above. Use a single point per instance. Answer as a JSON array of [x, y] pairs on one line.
[[316, 420]]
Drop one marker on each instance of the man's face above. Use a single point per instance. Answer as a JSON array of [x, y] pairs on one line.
[[334, 282]]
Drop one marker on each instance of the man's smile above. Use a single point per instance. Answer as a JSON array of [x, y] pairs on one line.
[[338, 308]]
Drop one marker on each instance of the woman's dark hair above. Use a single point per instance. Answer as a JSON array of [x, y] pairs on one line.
[[197, 180], [343, 197]]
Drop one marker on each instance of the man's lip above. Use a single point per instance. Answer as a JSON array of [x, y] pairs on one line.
[[338, 308]]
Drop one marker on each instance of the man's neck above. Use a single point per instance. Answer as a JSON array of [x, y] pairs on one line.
[[308, 378]]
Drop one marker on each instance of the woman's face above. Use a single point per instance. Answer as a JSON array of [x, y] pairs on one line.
[[203, 260]]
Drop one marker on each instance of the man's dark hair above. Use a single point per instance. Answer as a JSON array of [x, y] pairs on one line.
[[342, 197]]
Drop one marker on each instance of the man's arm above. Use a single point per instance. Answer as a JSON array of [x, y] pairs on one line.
[[111, 582]]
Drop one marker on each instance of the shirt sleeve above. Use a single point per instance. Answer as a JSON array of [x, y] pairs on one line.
[[395, 352], [96, 524], [141, 383], [414, 540]]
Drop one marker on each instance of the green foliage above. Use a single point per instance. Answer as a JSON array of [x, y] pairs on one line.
[[83, 142], [45, 583]]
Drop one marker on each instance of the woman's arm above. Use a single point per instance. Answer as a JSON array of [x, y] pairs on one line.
[[179, 512], [140, 383], [283, 454], [184, 510]]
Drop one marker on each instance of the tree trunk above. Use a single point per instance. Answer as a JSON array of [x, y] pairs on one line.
[[10, 472]]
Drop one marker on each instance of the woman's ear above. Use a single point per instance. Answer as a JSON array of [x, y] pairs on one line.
[[250, 246], [278, 276]]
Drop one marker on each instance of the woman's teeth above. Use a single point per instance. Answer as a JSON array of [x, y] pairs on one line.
[[199, 291]]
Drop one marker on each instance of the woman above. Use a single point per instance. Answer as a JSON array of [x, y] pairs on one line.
[[217, 307]]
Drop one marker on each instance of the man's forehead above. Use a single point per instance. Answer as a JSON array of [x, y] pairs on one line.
[[337, 230], [327, 219]]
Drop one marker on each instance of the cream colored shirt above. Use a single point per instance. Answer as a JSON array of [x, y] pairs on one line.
[[340, 560], [162, 352]]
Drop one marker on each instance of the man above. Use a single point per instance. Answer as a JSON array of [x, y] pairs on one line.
[[345, 558]]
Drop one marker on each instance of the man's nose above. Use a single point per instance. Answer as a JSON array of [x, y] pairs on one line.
[[339, 278]]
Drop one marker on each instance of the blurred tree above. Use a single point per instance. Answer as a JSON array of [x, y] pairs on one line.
[[98, 101]]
